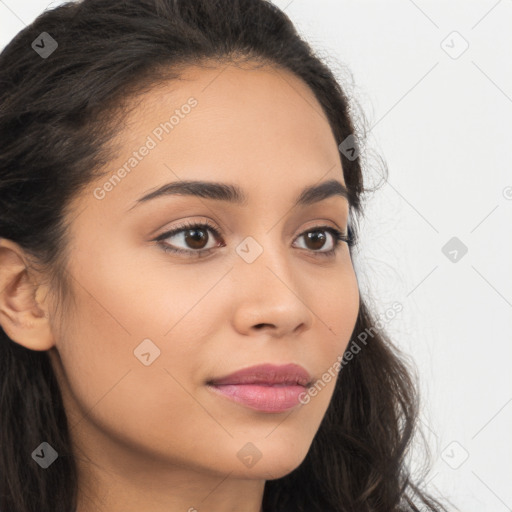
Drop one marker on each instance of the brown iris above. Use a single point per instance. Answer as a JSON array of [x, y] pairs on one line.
[[196, 237], [315, 237]]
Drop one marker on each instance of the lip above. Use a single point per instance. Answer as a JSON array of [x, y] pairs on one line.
[[267, 374], [265, 388]]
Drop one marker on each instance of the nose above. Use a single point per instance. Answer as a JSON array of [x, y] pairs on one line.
[[270, 297]]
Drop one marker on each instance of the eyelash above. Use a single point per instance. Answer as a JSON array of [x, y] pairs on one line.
[[337, 235]]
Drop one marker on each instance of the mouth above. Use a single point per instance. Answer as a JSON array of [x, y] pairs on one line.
[[265, 388]]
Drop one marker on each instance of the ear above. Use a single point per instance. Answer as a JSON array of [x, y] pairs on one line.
[[23, 313]]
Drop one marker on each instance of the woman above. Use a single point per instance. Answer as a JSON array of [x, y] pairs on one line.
[[180, 184]]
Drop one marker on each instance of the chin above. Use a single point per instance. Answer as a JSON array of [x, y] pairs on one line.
[[276, 465]]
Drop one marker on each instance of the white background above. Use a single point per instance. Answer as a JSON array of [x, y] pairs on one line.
[[442, 122]]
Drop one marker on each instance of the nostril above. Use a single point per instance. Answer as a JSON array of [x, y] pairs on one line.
[[260, 326]]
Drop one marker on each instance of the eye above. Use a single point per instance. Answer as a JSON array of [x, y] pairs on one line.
[[195, 235], [316, 237]]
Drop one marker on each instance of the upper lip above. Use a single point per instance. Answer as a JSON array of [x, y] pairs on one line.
[[292, 374]]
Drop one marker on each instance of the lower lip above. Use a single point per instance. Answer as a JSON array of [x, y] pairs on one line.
[[262, 398]]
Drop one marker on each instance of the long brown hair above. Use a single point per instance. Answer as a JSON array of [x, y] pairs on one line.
[[58, 112]]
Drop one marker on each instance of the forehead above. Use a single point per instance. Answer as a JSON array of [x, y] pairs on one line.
[[262, 128], [240, 108]]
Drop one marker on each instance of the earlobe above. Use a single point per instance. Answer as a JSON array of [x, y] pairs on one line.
[[23, 317]]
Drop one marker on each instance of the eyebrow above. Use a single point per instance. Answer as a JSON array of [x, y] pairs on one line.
[[234, 194]]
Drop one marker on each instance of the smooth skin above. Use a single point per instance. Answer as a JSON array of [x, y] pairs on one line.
[[155, 437]]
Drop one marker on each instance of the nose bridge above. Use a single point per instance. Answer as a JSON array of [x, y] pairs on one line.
[[263, 267], [265, 254]]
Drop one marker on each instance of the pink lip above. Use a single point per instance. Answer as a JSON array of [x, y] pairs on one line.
[[267, 374], [266, 388]]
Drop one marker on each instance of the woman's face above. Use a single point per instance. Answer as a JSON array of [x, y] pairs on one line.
[[151, 328]]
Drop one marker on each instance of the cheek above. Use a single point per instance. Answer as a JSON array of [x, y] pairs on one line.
[[110, 386], [337, 309], [128, 308], [334, 304]]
